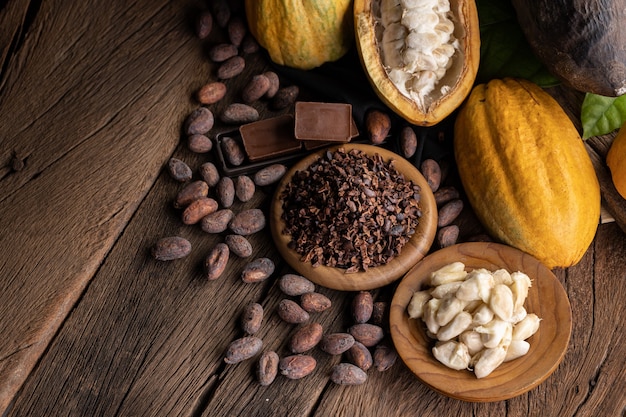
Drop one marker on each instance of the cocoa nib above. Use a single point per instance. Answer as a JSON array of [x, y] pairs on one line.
[[350, 210]]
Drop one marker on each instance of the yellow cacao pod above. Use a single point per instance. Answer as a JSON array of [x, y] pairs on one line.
[[616, 161], [302, 34], [526, 171], [420, 56]]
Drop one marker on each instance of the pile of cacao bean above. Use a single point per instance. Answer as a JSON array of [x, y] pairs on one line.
[[207, 198]]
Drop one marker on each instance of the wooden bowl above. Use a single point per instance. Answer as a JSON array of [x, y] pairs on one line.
[[336, 278], [546, 298]]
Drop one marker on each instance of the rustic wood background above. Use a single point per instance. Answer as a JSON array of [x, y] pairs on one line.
[[92, 99]]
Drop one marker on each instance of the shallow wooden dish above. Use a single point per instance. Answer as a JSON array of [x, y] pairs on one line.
[[336, 278], [546, 298]]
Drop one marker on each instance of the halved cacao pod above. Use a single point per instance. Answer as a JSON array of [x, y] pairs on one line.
[[420, 56], [583, 42], [526, 171]]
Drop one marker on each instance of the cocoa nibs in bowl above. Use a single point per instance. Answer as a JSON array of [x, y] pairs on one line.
[[349, 210]]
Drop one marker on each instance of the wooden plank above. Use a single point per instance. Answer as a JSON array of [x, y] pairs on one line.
[[81, 104]]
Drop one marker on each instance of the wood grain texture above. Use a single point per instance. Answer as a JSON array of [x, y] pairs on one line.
[[78, 109], [92, 99]]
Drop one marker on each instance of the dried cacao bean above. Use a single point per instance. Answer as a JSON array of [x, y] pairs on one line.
[[446, 194], [222, 51], [204, 24], [258, 270], [314, 302], [285, 97], [179, 170], [295, 285], [244, 188], [360, 356], [225, 192], [367, 333], [449, 212], [211, 93], [215, 262], [448, 235], [199, 143], [171, 248], [209, 173], [243, 348], [274, 84], [408, 142], [348, 374], [237, 30], [217, 222], [362, 307], [230, 68], [239, 245], [197, 209], [336, 343], [251, 318], [431, 170], [255, 89], [297, 366], [239, 113], [233, 152], [290, 312], [306, 338], [384, 357], [247, 222], [269, 175], [267, 368], [199, 121], [377, 126], [191, 192]]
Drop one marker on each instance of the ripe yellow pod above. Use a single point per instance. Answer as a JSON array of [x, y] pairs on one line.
[[526, 171]]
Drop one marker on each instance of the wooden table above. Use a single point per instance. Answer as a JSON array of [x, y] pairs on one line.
[[92, 99]]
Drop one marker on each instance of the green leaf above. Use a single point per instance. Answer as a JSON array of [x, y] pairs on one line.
[[504, 51], [601, 115]]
